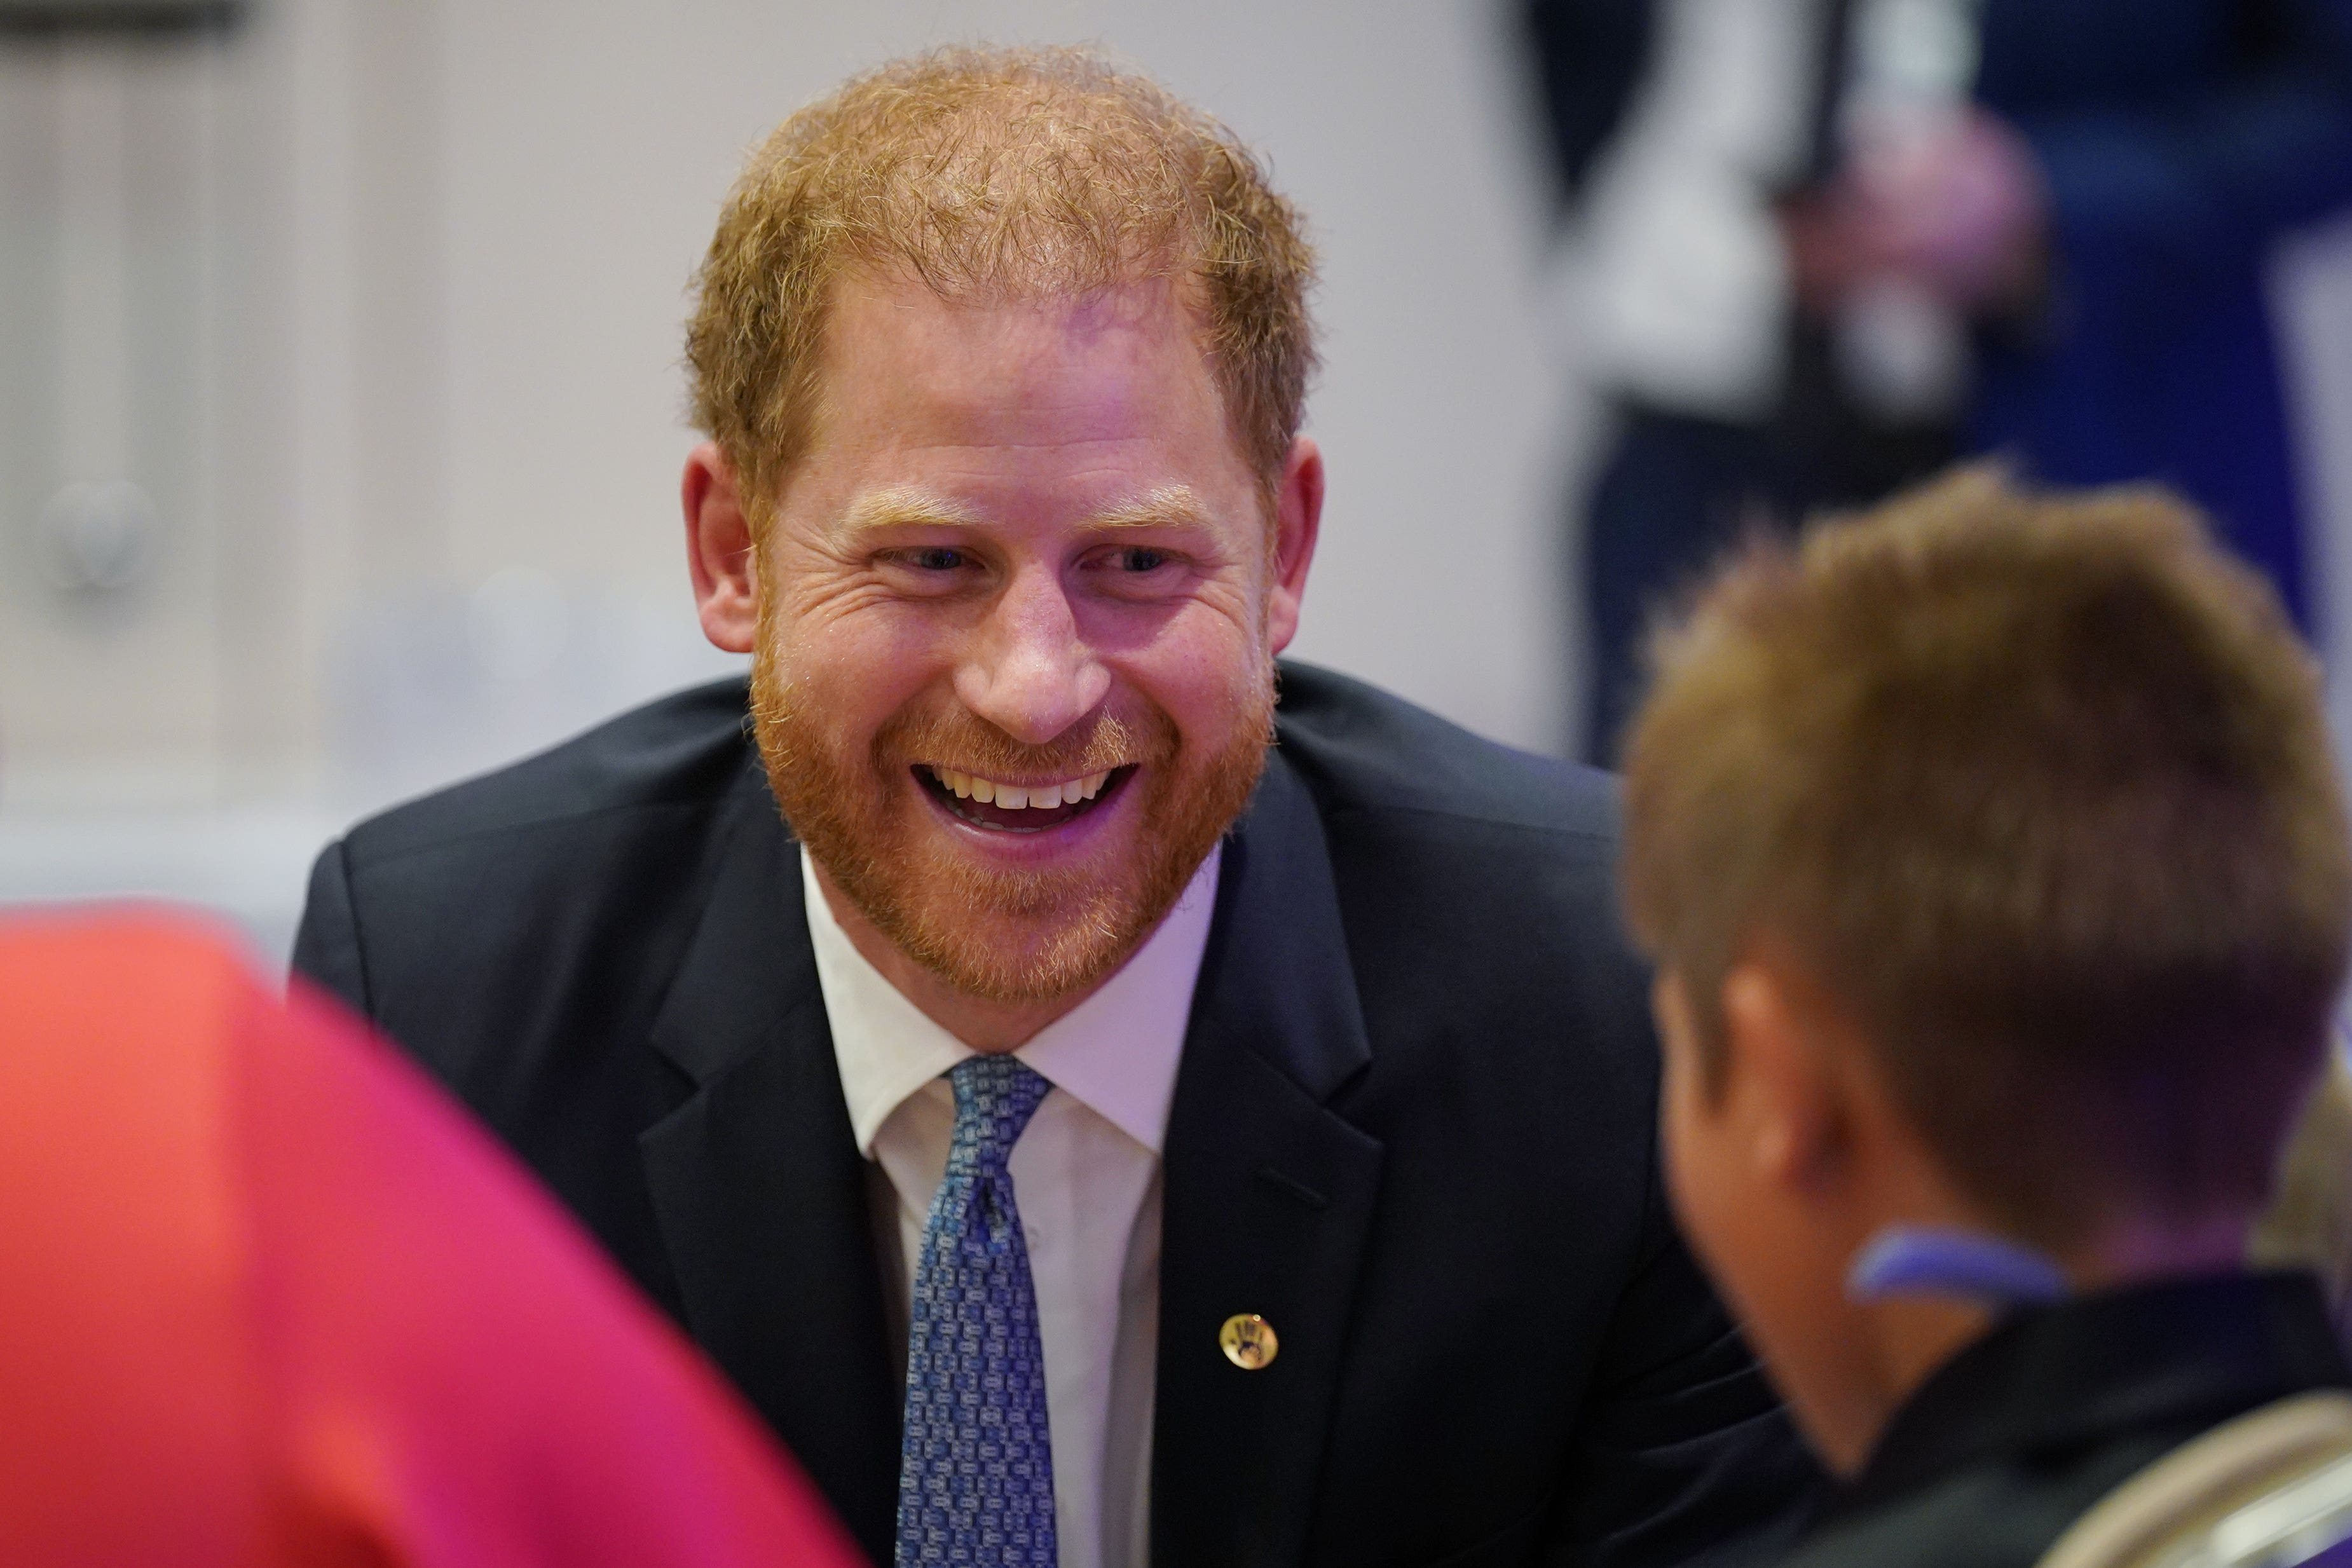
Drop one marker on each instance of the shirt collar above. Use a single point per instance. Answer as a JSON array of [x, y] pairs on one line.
[[1116, 1051]]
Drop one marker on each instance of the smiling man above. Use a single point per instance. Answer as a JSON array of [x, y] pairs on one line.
[[1098, 1116], [1013, 628]]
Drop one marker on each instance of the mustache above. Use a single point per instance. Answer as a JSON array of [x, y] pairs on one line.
[[962, 740]]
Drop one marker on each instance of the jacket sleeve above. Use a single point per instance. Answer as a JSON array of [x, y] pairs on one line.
[[327, 943], [1684, 1456]]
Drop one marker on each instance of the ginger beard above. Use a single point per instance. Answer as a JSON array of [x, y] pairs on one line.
[[1002, 935]]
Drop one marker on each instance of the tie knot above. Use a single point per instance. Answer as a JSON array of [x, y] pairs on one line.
[[996, 1096]]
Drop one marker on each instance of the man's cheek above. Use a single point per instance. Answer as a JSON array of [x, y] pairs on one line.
[[855, 686]]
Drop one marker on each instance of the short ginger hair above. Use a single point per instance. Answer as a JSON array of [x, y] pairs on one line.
[[2039, 787], [994, 174]]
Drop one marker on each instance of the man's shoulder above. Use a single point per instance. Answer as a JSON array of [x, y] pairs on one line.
[[1452, 856], [681, 753], [1363, 750]]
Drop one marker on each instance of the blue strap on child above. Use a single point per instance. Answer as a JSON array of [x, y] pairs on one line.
[[1935, 1261]]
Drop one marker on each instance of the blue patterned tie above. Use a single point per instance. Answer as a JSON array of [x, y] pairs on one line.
[[976, 1471]]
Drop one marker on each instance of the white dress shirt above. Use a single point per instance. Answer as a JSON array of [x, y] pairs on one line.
[[1086, 1176]]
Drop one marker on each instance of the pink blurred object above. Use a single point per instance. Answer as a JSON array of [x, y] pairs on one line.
[[270, 1299]]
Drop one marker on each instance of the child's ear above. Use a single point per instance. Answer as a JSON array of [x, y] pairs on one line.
[[1788, 1094]]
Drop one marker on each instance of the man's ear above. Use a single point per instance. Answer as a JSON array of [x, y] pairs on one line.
[[719, 552], [1776, 1044], [1297, 517]]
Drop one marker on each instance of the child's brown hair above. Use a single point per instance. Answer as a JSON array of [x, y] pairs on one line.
[[2039, 786]]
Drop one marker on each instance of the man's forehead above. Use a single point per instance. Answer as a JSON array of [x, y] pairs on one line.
[[875, 318], [926, 399]]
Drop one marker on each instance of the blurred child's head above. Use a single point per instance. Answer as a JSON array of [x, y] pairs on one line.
[[1990, 849]]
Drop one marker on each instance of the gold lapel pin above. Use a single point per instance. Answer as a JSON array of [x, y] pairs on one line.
[[1249, 1341]]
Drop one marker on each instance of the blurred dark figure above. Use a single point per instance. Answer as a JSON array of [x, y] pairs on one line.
[[1831, 244]]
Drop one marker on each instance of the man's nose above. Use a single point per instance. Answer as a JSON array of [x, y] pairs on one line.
[[1030, 673]]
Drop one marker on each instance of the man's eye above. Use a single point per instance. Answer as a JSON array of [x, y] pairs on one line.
[[1141, 559], [937, 558]]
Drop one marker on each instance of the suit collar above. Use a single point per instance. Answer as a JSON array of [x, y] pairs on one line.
[[758, 1187], [1268, 1198], [749, 975], [1277, 980]]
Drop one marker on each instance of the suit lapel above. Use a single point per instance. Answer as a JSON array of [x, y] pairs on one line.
[[1269, 1197], [760, 1189]]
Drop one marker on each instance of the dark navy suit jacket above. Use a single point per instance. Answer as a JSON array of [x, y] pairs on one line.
[[2180, 138], [1413, 1126]]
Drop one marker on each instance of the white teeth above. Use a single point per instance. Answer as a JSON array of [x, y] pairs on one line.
[[1020, 797]]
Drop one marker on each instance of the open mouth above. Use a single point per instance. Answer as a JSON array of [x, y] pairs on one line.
[[1019, 807]]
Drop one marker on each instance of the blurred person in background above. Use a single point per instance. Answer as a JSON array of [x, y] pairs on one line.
[[1090, 1133], [270, 1299], [1993, 855], [1822, 245]]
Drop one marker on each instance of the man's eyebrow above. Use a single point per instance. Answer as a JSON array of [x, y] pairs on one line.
[[902, 507], [1170, 504]]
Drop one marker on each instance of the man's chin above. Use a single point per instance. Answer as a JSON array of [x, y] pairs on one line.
[[1028, 925], [1014, 933], [1000, 954]]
